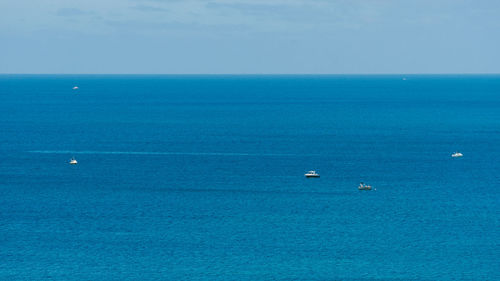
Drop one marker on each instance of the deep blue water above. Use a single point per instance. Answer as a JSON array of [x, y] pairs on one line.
[[201, 178]]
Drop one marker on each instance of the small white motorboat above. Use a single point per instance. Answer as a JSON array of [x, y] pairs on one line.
[[363, 186], [312, 174], [457, 154], [75, 88], [73, 161]]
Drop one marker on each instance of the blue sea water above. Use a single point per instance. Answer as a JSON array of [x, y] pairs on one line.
[[201, 177]]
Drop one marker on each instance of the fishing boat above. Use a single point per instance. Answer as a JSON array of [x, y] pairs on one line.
[[457, 154], [75, 88], [363, 186], [312, 174], [73, 161]]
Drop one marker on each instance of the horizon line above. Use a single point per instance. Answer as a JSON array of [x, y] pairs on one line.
[[259, 74]]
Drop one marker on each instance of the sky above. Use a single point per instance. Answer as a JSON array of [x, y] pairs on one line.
[[249, 36]]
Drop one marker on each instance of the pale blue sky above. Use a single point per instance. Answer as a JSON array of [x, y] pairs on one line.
[[249, 36]]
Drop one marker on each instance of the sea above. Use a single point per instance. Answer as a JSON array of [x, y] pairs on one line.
[[201, 177]]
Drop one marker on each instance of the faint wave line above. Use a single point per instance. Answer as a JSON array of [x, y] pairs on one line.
[[158, 153]]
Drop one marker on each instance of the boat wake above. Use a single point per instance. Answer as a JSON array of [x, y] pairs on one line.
[[160, 153]]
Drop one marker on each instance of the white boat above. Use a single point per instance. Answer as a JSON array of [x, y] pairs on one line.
[[457, 154], [363, 186], [312, 174], [75, 88], [73, 161]]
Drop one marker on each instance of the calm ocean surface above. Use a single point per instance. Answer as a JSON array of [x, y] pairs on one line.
[[201, 178]]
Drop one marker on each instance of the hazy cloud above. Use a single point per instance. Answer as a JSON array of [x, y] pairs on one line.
[[71, 12], [146, 8], [284, 11]]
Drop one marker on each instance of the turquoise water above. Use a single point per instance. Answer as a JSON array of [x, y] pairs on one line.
[[201, 178]]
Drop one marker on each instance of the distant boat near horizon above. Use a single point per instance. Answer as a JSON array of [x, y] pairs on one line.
[[311, 174], [457, 154], [75, 88]]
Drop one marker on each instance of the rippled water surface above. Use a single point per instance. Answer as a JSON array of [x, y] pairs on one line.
[[202, 178]]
